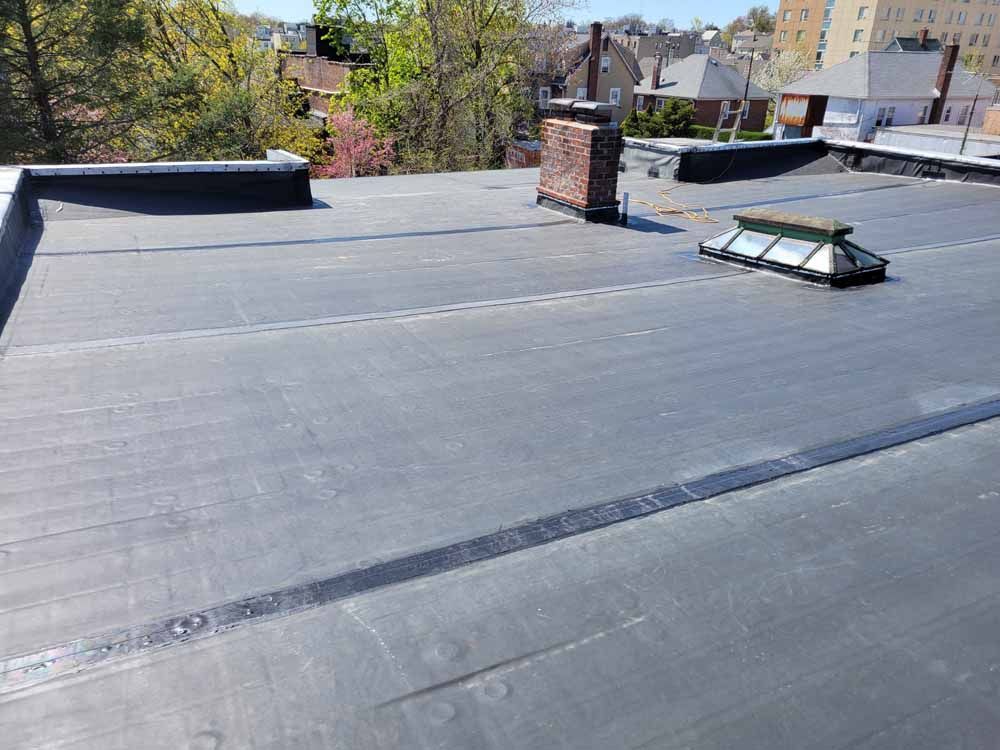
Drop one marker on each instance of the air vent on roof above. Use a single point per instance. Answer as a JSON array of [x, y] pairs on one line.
[[807, 247]]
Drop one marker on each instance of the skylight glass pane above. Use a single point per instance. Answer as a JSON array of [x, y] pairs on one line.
[[790, 252], [750, 244], [820, 262], [719, 241], [864, 259], [842, 263]]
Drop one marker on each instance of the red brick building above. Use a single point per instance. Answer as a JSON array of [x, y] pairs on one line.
[[713, 89]]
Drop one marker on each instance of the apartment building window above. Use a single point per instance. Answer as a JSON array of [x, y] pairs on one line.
[[880, 117], [858, 33], [922, 117], [944, 37], [899, 13], [855, 53], [963, 115], [804, 14], [951, 16], [973, 39], [986, 40], [979, 21], [931, 15], [783, 36], [956, 38], [918, 14], [786, 16], [800, 35], [581, 92], [991, 19], [862, 12], [880, 35], [890, 114], [961, 18], [640, 102], [616, 97], [996, 60], [947, 114], [886, 13], [826, 14], [605, 64], [822, 35]]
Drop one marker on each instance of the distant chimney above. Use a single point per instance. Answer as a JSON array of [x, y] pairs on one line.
[[922, 38], [593, 70], [948, 60], [657, 67], [580, 153]]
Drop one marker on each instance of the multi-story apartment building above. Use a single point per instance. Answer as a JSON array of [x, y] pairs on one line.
[[831, 31]]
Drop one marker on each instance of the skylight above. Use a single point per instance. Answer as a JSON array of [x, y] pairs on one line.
[[807, 247]]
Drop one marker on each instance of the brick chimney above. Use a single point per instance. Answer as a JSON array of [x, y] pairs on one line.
[[594, 68], [922, 38], [580, 154], [657, 67], [948, 60]]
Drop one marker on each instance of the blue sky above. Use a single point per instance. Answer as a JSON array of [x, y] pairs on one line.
[[682, 11]]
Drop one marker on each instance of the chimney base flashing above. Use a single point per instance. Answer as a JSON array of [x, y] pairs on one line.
[[607, 214]]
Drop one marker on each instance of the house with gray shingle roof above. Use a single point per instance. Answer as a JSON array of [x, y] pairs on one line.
[[713, 88], [850, 100]]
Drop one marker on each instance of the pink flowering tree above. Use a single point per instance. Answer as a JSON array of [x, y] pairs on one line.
[[352, 149]]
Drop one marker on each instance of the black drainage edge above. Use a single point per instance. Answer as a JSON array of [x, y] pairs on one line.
[[22, 671]]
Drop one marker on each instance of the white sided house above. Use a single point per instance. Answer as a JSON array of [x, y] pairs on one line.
[[851, 100]]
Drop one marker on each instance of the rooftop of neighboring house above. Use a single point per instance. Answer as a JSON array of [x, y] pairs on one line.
[[889, 75], [311, 478], [579, 55], [914, 44], [697, 77]]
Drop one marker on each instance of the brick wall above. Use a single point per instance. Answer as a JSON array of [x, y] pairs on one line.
[[706, 112], [314, 72], [580, 163], [522, 154]]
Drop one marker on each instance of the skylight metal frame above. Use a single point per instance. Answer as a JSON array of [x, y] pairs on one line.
[[821, 232]]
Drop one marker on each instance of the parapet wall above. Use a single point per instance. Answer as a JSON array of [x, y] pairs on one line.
[[14, 225]]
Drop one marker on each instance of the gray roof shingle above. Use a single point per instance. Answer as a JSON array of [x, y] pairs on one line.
[[698, 77], [887, 75]]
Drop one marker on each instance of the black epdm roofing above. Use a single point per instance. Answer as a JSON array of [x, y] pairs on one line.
[[429, 466]]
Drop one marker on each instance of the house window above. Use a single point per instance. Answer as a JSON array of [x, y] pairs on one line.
[[783, 36], [889, 116], [640, 101], [804, 14], [931, 15], [659, 104], [880, 117], [581, 92], [899, 13], [800, 35], [963, 115], [858, 33], [918, 14], [973, 39], [947, 114], [786, 16], [616, 97], [605, 64], [922, 117], [724, 110], [862, 12], [544, 94], [746, 110]]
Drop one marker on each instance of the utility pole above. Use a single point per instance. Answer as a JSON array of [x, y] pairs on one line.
[[972, 111], [746, 90]]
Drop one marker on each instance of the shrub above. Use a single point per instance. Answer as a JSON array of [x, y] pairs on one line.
[[672, 120], [703, 131]]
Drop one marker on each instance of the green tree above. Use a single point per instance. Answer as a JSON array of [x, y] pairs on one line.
[[69, 83]]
